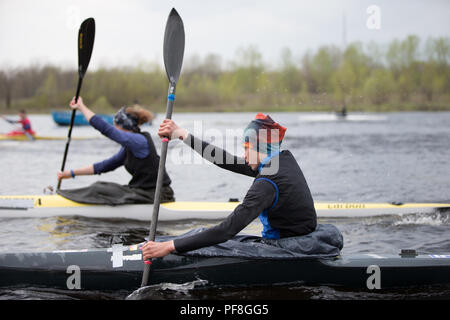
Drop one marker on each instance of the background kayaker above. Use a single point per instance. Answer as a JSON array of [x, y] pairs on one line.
[[279, 195], [138, 155], [24, 121]]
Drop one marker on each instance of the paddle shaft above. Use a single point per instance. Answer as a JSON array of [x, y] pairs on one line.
[[69, 135], [159, 182]]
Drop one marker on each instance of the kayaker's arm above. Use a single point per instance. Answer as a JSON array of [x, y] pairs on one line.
[[137, 143], [260, 196], [107, 165], [134, 141], [9, 120], [110, 164], [219, 157], [79, 105], [216, 155], [84, 171]]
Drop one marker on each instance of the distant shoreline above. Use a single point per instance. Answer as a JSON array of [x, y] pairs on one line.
[[228, 109], [403, 76]]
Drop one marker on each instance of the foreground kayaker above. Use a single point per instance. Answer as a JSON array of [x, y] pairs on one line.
[[138, 155], [279, 195], [24, 121]]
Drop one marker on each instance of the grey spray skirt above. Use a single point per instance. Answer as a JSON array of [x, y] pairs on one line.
[[113, 194]]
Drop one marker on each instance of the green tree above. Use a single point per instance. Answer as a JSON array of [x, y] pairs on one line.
[[401, 54], [344, 82], [103, 104], [6, 85], [49, 90], [322, 66], [289, 78], [379, 86], [246, 70]]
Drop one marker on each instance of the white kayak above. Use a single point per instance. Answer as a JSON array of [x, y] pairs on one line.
[[336, 117], [55, 205]]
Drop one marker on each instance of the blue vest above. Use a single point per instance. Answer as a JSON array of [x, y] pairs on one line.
[[268, 231]]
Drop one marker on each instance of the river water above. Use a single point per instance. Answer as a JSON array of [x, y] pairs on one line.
[[382, 157]]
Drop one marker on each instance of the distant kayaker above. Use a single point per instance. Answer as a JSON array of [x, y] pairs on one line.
[[24, 121], [342, 113], [138, 155], [279, 195]]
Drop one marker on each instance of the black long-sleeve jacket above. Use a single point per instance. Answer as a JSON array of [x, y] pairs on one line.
[[279, 195]]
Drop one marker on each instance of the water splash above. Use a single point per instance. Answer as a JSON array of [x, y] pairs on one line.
[[435, 219], [166, 290]]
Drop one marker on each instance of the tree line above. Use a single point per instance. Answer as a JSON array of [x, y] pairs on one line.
[[407, 74]]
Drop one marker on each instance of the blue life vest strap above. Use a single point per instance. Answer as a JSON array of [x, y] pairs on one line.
[[276, 190], [267, 159], [268, 231]]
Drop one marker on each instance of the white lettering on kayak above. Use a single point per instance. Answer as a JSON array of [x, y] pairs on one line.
[[374, 281], [133, 257]]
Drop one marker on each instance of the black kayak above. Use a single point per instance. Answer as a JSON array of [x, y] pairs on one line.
[[93, 270], [120, 267]]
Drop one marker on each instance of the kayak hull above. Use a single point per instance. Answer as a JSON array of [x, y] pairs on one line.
[[62, 118], [113, 269], [38, 137], [55, 205]]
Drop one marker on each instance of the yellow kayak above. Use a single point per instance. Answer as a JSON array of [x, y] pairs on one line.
[[38, 137], [56, 205]]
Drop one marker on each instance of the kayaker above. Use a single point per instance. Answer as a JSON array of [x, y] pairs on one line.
[[279, 195], [24, 121], [138, 155]]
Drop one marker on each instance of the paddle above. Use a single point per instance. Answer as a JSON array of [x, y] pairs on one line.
[[86, 36], [173, 59]]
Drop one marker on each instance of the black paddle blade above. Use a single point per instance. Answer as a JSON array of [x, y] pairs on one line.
[[86, 37], [173, 46]]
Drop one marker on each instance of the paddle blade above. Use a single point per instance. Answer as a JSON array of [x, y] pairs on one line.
[[173, 46], [86, 36]]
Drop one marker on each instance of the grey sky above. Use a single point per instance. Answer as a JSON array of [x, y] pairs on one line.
[[129, 32]]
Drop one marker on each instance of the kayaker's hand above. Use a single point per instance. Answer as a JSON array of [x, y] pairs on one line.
[[78, 104], [169, 129], [64, 175], [157, 249]]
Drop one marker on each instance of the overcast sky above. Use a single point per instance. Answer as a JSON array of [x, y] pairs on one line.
[[129, 32]]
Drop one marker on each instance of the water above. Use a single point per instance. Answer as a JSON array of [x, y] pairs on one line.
[[369, 158]]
